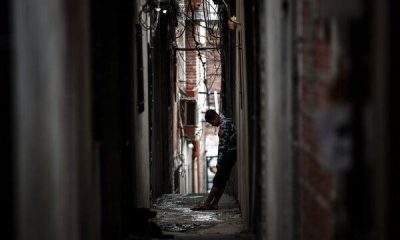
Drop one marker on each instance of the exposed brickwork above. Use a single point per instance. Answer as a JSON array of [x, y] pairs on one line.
[[314, 182], [214, 68], [191, 56], [211, 58], [315, 225]]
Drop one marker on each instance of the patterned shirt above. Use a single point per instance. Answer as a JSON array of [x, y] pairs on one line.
[[227, 139]]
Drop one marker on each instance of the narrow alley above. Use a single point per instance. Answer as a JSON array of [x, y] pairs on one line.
[[199, 119]]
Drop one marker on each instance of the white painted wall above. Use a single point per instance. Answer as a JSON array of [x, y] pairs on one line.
[[141, 133], [241, 116]]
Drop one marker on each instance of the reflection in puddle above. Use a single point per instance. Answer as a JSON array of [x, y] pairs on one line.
[[205, 218]]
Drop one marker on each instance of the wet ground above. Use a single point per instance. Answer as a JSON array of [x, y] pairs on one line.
[[175, 218]]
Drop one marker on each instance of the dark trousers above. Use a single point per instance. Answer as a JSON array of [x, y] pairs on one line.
[[226, 165]]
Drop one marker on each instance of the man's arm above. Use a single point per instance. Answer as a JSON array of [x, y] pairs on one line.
[[221, 153], [222, 145]]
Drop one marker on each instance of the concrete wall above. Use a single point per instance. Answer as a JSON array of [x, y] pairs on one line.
[[161, 98], [384, 124], [275, 121], [57, 190]]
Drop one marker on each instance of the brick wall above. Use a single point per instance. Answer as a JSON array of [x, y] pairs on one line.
[[211, 58], [191, 56], [315, 205]]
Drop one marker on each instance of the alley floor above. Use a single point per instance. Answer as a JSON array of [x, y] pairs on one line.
[[175, 218]]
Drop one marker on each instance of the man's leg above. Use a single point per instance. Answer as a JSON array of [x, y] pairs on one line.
[[217, 197], [214, 191]]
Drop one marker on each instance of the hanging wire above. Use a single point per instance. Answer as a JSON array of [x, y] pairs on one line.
[[190, 18]]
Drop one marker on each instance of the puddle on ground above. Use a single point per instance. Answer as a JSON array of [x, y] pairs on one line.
[[205, 217], [174, 214]]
